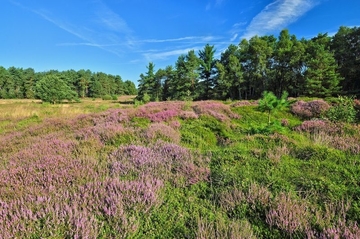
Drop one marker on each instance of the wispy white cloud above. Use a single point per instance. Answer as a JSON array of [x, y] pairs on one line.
[[107, 40], [210, 4], [236, 29], [239, 24], [194, 39], [47, 16], [62, 25], [82, 33], [234, 37], [155, 55], [111, 20], [278, 15], [88, 44]]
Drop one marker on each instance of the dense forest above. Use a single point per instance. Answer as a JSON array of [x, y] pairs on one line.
[[27, 84], [319, 67]]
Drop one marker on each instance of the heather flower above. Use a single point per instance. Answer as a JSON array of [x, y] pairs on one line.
[[175, 124], [165, 160], [231, 198], [349, 144], [160, 111], [188, 115], [258, 194], [103, 132], [162, 131], [163, 115], [217, 110], [284, 122], [277, 152], [242, 103], [312, 126], [289, 214], [308, 110]]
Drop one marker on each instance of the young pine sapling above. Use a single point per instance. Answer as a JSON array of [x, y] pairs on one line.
[[270, 103]]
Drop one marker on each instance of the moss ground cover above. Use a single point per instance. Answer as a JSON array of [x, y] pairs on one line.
[[176, 170]]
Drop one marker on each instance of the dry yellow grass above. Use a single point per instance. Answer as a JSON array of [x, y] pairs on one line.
[[15, 109]]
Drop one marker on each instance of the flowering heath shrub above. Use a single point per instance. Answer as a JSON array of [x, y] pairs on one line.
[[289, 214], [188, 115], [175, 124], [244, 103], [160, 111], [162, 131], [345, 143], [163, 160], [311, 109], [312, 126], [217, 110]]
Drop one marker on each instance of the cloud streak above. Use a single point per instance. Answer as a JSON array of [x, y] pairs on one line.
[[64, 26], [278, 15], [180, 39], [90, 37], [111, 20], [76, 32], [234, 37], [150, 56]]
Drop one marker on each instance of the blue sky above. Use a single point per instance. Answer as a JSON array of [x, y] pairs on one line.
[[121, 37]]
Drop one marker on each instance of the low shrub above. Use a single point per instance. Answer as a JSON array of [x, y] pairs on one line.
[[106, 97], [162, 131], [311, 109], [160, 111], [347, 144], [197, 136], [217, 110], [188, 115], [266, 129], [289, 214], [244, 103], [317, 152], [343, 111], [312, 126], [167, 161]]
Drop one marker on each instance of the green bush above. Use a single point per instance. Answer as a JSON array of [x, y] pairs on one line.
[[140, 122], [52, 89], [106, 97], [274, 127], [146, 98], [343, 111], [138, 103], [320, 153]]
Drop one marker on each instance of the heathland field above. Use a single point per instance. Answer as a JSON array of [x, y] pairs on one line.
[[175, 169]]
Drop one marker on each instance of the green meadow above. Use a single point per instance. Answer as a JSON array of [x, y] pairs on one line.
[[175, 169]]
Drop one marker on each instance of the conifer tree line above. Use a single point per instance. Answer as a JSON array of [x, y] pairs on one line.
[[22, 83], [319, 67]]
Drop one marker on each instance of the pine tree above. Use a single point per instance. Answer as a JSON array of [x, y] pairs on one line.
[[321, 77], [207, 70], [147, 83]]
